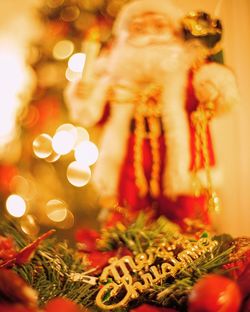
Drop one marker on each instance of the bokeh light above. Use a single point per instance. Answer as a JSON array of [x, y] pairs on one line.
[[42, 145], [72, 76], [63, 49], [76, 62], [78, 174], [56, 210], [23, 187], [53, 157], [82, 135], [69, 128], [86, 153], [54, 3], [29, 225], [70, 13], [63, 142], [68, 222], [16, 206]]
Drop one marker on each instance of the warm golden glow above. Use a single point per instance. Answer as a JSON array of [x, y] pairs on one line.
[[16, 206], [76, 62], [14, 76], [86, 153], [78, 174], [63, 49]]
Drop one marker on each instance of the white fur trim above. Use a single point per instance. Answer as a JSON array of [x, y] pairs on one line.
[[224, 83], [139, 7], [87, 111], [113, 149], [176, 127], [216, 177]]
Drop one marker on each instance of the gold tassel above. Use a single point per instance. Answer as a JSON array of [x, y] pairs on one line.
[[200, 119]]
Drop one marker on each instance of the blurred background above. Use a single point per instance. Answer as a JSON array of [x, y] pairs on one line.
[[42, 46]]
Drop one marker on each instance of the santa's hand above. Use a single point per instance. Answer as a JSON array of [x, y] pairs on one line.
[[216, 83], [75, 94], [207, 92], [83, 89]]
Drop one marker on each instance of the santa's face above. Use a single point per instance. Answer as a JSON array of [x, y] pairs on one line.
[[150, 28], [150, 49]]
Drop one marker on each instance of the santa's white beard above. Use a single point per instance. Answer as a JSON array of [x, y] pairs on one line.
[[148, 60]]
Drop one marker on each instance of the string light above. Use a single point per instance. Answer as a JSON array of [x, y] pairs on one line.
[[16, 206]]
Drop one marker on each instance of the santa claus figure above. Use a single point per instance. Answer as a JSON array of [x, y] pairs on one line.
[[152, 151]]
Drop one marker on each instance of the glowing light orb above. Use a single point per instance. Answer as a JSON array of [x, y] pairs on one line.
[[72, 76], [76, 62], [78, 174], [82, 135], [68, 222], [69, 128], [86, 153], [23, 187], [54, 3], [56, 210], [42, 145], [29, 225], [53, 157], [63, 142], [70, 13], [63, 49], [16, 206]]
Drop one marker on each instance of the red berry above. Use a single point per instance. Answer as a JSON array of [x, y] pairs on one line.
[[214, 293]]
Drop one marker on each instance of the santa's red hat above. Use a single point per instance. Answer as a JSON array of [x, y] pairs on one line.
[[140, 7]]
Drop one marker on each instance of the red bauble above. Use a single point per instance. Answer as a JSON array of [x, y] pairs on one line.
[[15, 308], [63, 305], [150, 308], [214, 293]]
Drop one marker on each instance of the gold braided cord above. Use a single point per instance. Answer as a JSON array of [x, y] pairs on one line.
[[200, 119], [140, 179], [147, 106], [155, 131]]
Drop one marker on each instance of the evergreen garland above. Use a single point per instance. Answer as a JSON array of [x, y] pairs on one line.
[[51, 269]]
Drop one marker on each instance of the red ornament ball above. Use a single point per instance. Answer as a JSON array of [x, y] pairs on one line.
[[214, 293], [63, 305]]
